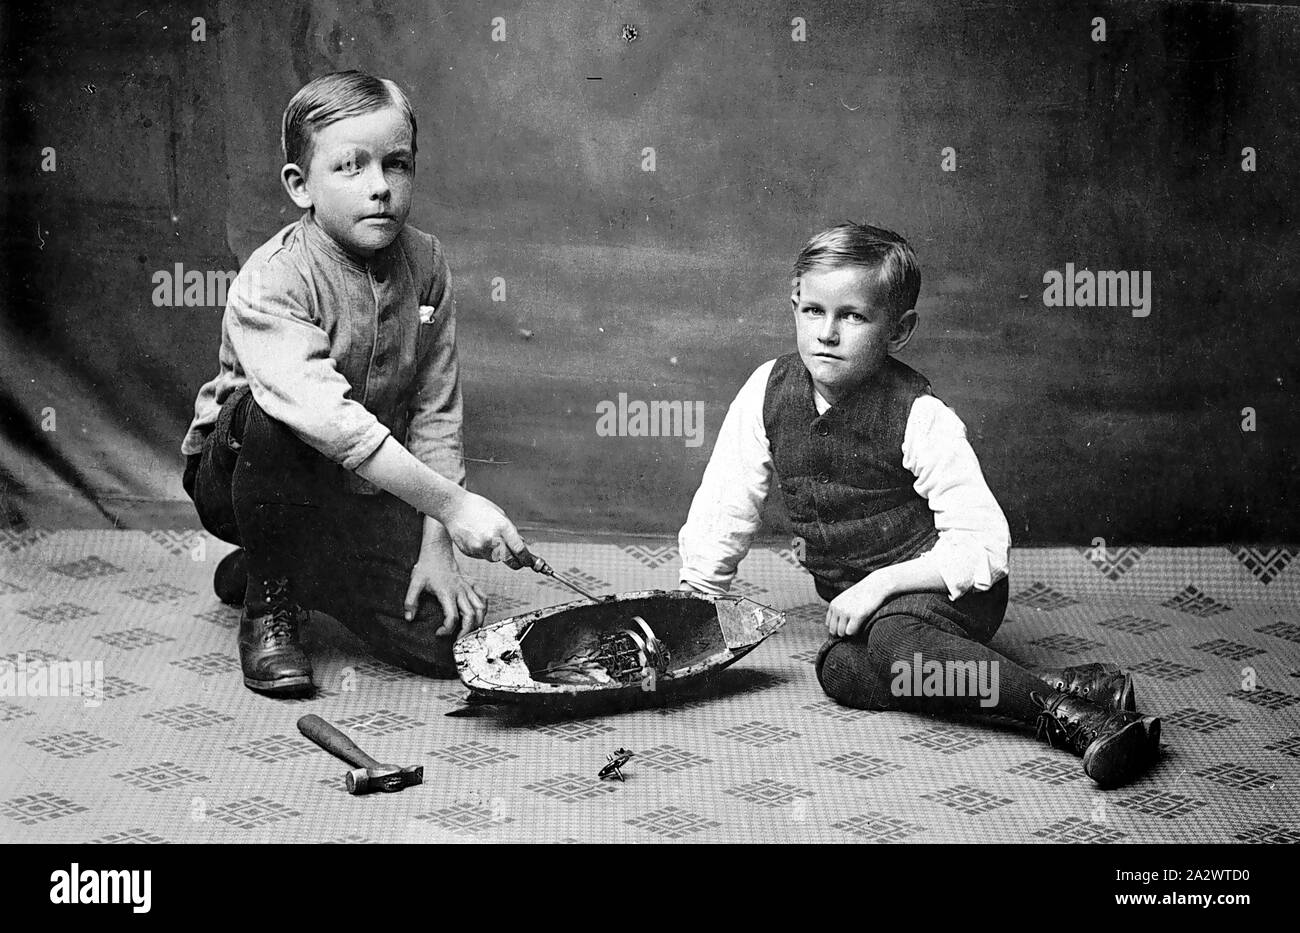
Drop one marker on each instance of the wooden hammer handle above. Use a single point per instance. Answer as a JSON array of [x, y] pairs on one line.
[[334, 741]]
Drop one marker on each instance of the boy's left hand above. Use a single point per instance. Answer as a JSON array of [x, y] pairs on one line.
[[463, 603], [849, 611]]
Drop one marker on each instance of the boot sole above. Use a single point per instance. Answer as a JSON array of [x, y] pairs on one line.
[[1149, 723], [1127, 698], [1153, 738], [282, 686], [1119, 758], [1128, 701]]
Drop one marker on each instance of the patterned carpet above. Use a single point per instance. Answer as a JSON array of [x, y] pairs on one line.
[[180, 751]]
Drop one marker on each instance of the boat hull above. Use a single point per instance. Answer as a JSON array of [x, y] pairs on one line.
[[530, 659]]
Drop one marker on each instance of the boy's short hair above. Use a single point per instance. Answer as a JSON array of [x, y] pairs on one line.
[[331, 98], [875, 248]]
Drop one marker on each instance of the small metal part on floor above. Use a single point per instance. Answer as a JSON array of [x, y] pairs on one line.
[[615, 762]]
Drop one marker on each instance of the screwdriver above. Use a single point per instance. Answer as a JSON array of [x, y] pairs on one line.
[[545, 570]]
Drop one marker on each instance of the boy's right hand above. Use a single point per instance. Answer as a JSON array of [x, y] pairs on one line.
[[480, 529]]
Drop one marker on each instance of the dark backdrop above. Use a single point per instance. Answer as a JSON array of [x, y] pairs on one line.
[[672, 285]]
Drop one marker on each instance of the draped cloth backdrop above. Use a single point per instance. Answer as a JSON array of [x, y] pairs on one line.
[[583, 276]]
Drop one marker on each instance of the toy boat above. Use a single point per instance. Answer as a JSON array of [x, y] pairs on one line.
[[618, 650]]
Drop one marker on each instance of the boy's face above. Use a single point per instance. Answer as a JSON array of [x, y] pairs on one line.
[[844, 328], [360, 179]]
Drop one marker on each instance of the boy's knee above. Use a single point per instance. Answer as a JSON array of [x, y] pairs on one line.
[[412, 646], [820, 660], [253, 428], [245, 426], [847, 675], [275, 465], [431, 657], [890, 627]]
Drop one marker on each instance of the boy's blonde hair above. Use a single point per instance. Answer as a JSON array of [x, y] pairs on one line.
[[875, 248], [331, 98]]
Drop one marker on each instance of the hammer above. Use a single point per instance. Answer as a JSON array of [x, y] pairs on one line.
[[367, 774]]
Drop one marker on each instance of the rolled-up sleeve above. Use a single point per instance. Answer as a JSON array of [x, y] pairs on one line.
[[285, 355], [434, 432], [974, 541], [726, 512]]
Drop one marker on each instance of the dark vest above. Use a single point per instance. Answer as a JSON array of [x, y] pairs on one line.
[[842, 476]]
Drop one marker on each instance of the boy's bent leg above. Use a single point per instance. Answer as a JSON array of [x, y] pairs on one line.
[[283, 494], [1115, 745], [217, 514], [880, 672], [287, 498], [342, 553], [210, 473], [378, 546], [863, 671]]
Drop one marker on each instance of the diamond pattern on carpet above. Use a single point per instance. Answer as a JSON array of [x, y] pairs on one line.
[[175, 749]]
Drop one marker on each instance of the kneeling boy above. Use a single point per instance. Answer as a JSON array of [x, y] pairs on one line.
[[334, 423]]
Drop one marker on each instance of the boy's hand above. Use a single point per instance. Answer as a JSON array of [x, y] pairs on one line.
[[849, 611], [480, 529], [463, 604]]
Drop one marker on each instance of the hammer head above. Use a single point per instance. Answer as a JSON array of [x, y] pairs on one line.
[[386, 778]]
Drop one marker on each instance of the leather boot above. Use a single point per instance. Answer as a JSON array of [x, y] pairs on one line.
[[1100, 683], [270, 654], [1115, 744], [230, 580]]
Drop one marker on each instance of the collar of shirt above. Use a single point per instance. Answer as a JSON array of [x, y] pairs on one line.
[[326, 245]]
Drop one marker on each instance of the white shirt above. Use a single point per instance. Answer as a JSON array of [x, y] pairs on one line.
[[974, 540]]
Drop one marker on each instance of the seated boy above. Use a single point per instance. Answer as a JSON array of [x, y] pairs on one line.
[[329, 444], [897, 525]]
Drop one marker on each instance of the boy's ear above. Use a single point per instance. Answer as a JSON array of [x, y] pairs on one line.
[[794, 292], [295, 183], [904, 328]]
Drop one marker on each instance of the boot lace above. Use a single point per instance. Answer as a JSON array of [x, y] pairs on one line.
[[1054, 726], [281, 624]]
